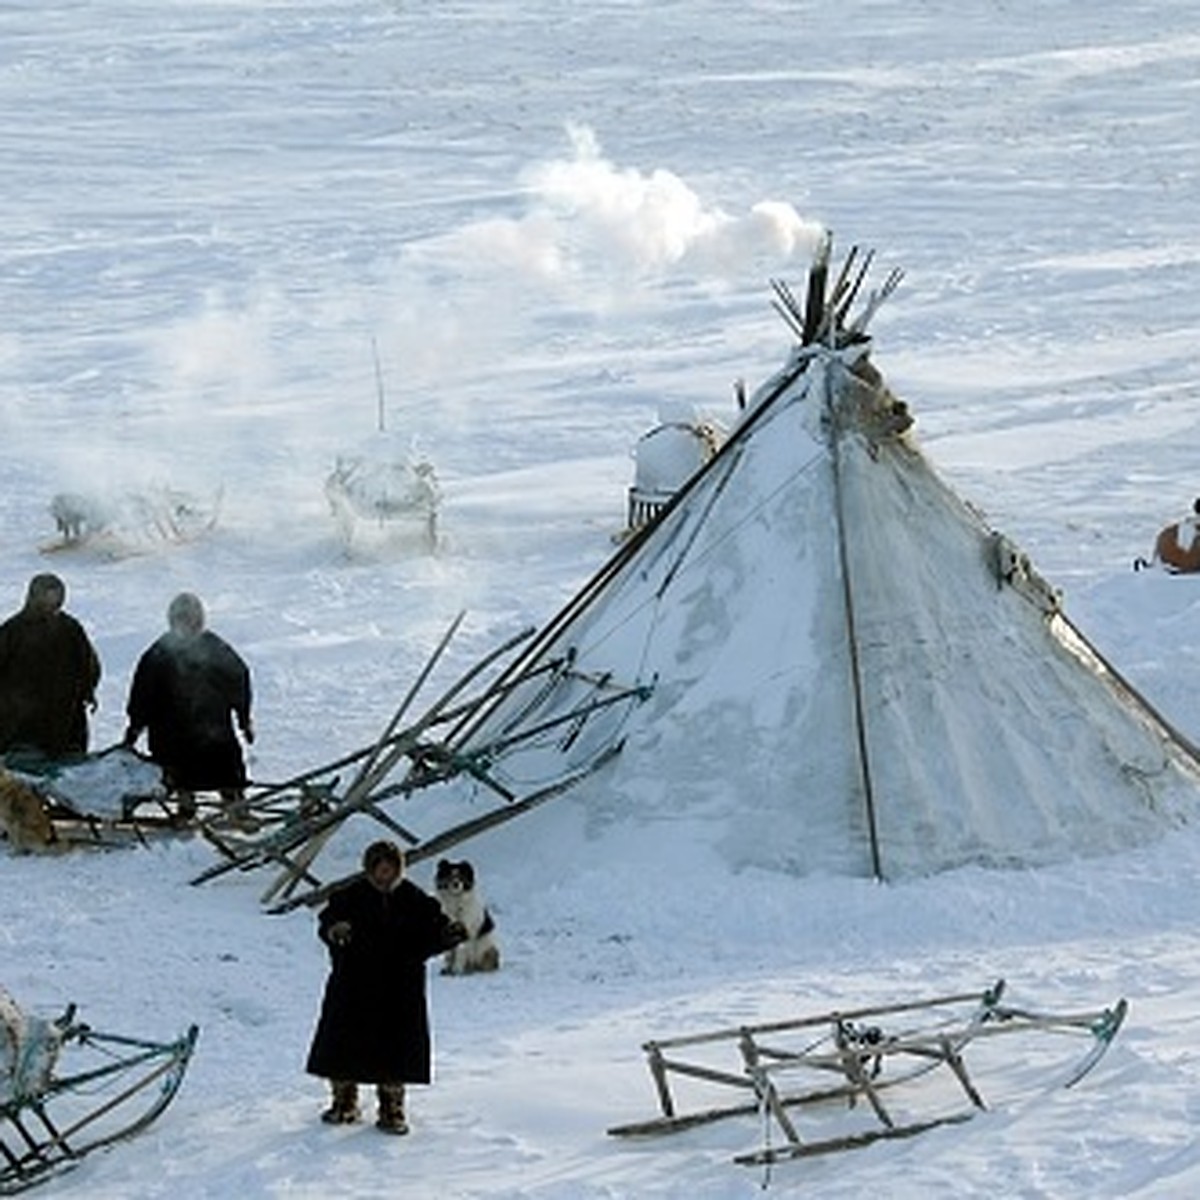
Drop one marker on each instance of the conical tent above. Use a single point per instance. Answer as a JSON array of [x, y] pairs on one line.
[[820, 631], [815, 657]]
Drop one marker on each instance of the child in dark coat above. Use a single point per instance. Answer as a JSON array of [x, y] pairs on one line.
[[374, 1022]]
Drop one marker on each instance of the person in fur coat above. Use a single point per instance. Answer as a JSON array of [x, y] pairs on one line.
[[48, 675], [188, 690], [374, 1022]]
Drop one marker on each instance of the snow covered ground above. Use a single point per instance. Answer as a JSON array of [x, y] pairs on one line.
[[547, 219]]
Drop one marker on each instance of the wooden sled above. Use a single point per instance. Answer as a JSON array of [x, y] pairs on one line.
[[111, 798], [385, 497], [844, 1067], [49, 1120]]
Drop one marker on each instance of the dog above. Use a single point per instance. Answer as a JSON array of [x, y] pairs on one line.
[[462, 901], [23, 818], [78, 517]]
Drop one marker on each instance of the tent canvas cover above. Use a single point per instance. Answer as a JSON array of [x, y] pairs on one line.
[[819, 626]]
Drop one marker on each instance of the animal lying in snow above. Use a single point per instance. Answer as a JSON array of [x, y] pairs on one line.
[[77, 516], [23, 819]]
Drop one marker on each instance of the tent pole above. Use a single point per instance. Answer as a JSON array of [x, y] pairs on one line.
[[864, 761]]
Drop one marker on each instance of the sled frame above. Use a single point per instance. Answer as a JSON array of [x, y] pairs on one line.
[[37, 1143], [848, 1064]]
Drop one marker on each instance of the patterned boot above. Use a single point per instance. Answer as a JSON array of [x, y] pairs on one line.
[[391, 1108], [344, 1109]]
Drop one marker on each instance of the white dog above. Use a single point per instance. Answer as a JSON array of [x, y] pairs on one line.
[[461, 901], [78, 517]]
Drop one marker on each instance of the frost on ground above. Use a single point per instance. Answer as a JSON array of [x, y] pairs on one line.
[[551, 220]]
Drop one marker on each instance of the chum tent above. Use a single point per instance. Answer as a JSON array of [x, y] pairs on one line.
[[815, 653], [821, 631]]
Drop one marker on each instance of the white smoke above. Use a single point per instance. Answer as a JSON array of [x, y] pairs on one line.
[[269, 380], [590, 219], [221, 347], [593, 238]]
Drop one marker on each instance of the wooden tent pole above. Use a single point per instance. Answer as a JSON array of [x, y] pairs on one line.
[[818, 276], [860, 723]]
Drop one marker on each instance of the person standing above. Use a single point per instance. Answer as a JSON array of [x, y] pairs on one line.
[[374, 1022], [49, 671], [188, 690]]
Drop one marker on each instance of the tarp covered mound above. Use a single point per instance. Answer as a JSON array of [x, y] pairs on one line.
[[850, 671], [103, 785]]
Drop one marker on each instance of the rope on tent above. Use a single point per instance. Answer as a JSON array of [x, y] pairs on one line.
[[713, 496], [860, 724], [696, 562], [573, 610], [685, 560], [684, 563]]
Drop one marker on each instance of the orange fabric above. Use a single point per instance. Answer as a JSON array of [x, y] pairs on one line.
[[1168, 551]]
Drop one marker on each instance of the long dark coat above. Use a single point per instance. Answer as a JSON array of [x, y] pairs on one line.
[[187, 690], [374, 1023], [48, 673]]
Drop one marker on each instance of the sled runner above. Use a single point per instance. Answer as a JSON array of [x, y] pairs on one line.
[[49, 1120], [887, 1071]]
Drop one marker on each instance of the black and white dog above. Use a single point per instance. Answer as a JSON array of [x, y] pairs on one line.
[[461, 901]]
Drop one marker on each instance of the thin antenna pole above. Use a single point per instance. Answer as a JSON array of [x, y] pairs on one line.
[[380, 407], [860, 716]]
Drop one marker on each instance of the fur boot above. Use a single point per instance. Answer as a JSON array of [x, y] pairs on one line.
[[391, 1108], [344, 1109]]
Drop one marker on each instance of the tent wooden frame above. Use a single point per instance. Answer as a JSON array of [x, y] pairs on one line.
[[302, 815]]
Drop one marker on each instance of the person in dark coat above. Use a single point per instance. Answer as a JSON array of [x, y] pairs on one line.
[[374, 1022], [188, 690], [48, 675]]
